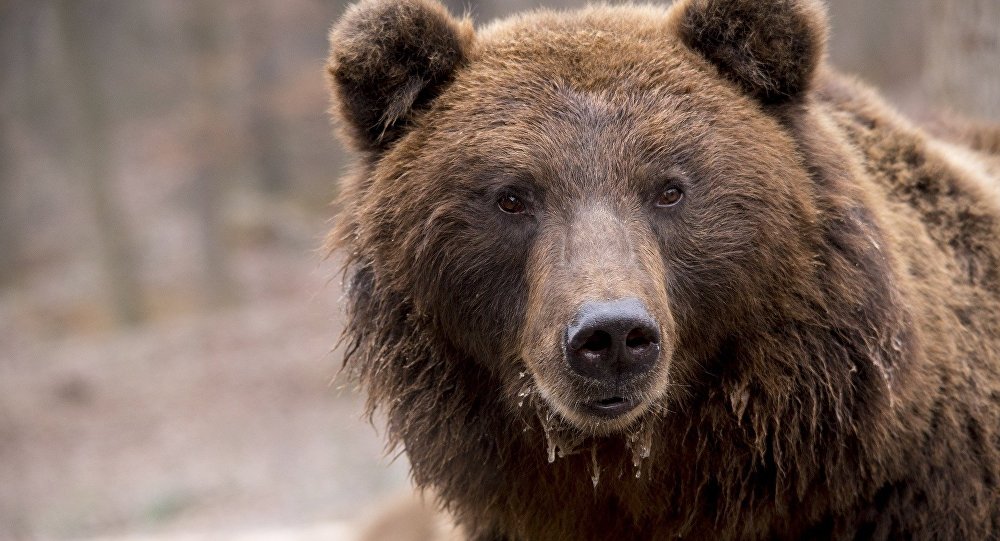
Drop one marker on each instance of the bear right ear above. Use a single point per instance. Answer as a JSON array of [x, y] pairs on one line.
[[389, 58], [771, 48]]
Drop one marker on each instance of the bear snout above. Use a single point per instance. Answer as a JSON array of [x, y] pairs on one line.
[[612, 341]]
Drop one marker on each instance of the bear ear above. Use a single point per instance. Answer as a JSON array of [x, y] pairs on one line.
[[771, 48], [387, 59]]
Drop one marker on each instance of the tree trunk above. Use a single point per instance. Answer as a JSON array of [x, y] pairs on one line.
[[93, 160], [215, 142], [962, 70], [8, 223], [267, 142]]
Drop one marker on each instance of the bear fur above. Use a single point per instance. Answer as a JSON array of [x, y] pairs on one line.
[[827, 290]]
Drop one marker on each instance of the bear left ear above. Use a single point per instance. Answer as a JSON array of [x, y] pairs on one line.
[[389, 58], [771, 48]]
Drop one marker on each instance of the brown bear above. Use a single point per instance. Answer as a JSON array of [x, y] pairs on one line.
[[659, 272]]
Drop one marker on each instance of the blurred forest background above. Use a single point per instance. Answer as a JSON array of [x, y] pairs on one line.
[[166, 313]]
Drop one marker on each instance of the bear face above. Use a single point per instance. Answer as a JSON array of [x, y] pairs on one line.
[[574, 163]]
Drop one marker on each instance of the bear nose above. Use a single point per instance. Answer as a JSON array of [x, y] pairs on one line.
[[611, 339]]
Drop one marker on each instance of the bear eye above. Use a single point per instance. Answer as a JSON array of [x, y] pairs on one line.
[[669, 197], [510, 203]]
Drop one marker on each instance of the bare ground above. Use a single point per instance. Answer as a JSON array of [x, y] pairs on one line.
[[223, 423]]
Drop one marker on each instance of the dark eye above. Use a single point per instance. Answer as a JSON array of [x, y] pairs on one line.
[[510, 203], [669, 197]]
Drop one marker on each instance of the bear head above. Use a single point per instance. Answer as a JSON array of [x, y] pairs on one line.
[[588, 210]]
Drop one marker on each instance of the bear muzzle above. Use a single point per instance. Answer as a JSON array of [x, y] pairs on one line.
[[612, 343]]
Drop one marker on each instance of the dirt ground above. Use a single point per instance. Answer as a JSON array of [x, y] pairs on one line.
[[222, 423]]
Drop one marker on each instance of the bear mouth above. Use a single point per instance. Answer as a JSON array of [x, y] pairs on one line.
[[609, 407]]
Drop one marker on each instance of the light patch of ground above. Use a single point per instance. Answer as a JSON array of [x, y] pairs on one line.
[[220, 423]]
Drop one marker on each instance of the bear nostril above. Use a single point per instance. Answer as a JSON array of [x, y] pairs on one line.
[[639, 338], [597, 342]]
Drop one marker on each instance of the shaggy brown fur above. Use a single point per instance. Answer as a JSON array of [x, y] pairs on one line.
[[827, 290]]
